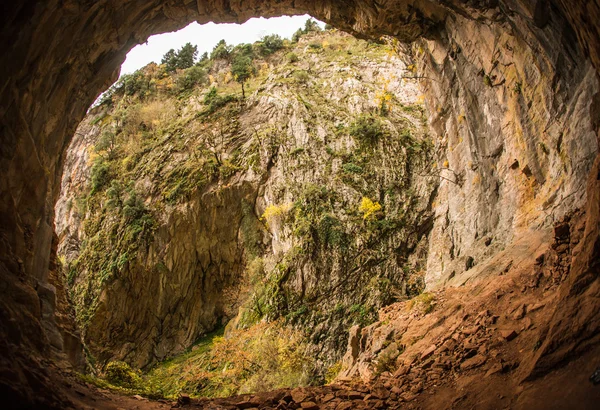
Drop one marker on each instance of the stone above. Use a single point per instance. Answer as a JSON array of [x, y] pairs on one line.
[[508, 334], [495, 368], [300, 395], [428, 352], [309, 405], [473, 362], [183, 399]]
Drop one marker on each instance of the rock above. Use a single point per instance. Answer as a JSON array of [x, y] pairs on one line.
[[535, 307], [473, 362], [327, 398], [508, 334], [527, 323], [300, 395], [309, 405], [183, 399], [417, 387], [471, 330], [428, 352], [496, 368], [519, 312]]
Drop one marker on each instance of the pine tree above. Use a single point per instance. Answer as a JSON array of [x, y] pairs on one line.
[[186, 56]]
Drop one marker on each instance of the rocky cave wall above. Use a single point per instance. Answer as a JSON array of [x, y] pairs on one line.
[[58, 56]]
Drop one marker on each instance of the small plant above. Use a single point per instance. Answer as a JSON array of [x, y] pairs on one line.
[[276, 213], [367, 129], [121, 374], [425, 302], [301, 76], [351, 168], [332, 372], [292, 57], [517, 88], [369, 208]]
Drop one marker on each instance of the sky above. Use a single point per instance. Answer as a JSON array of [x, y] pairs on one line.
[[206, 36]]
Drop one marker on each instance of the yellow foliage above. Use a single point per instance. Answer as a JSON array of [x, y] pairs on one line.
[[369, 208], [211, 78], [325, 43], [446, 164], [227, 77], [276, 212]]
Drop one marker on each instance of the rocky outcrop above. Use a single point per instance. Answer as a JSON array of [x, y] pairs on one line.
[[48, 81]]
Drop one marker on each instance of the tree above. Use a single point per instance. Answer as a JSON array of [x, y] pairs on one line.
[[186, 56], [181, 59], [220, 51], [311, 25], [270, 44], [242, 69], [170, 60]]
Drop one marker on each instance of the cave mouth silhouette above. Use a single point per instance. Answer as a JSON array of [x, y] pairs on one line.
[[59, 56]]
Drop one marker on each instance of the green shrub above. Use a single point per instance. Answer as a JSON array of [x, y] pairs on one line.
[[100, 174], [301, 76], [351, 168], [367, 129], [191, 77], [270, 44], [121, 374], [292, 57], [214, 101]]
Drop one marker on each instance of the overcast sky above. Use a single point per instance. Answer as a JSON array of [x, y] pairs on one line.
[[207, 35]]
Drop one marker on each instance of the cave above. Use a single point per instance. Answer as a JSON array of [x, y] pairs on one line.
[[514, 81]]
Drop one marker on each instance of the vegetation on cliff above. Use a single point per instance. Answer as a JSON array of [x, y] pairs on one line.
[[335, 153]]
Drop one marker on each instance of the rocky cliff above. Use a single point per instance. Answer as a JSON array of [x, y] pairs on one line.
[[310, 200]]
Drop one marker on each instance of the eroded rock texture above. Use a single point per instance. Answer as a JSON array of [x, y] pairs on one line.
[[59, 55]]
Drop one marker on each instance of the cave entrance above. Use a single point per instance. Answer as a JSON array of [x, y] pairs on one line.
[[281, 186]]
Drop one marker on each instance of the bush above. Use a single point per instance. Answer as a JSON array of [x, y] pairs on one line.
[[292, 57], [276, 213], [270, 44], [351, 168], [100, 174], [220, 51], [121, 374], [367, 129], [301, 76], [315, 46], [190, 78], [369, 208], [214, 101]]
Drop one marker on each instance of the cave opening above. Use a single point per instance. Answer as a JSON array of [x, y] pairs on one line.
[[510, 90]]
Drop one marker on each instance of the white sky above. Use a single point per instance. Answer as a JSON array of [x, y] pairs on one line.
[[206, 36]]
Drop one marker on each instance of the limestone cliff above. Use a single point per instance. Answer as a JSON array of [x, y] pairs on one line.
[[310, 199]]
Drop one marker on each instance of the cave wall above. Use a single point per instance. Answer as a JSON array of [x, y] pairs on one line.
[[58, 56]]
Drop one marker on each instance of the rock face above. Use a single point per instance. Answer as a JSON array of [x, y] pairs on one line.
[[319, 138], [48, 81]]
